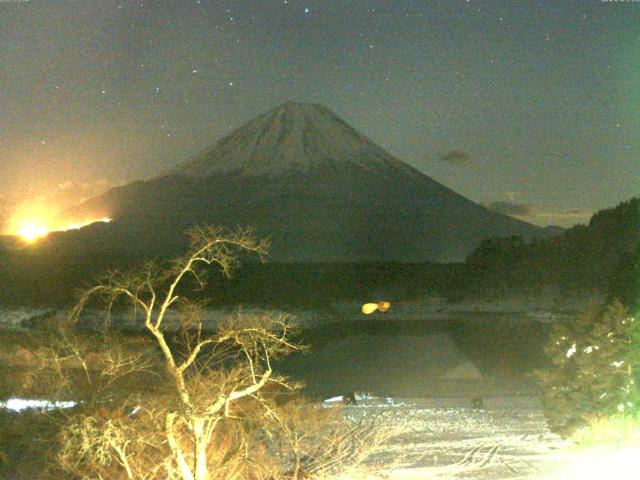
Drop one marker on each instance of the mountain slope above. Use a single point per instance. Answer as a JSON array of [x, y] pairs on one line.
[[322, 191]]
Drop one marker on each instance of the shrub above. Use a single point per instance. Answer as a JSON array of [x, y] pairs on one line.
[[615, 432], [594, 372]]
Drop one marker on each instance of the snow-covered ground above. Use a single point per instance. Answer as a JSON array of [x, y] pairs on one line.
[[507, 438], [450, 438]]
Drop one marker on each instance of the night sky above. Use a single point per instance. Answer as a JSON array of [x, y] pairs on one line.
[[531, 107]]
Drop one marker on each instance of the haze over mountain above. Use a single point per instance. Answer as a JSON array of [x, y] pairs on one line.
[[321, 190]]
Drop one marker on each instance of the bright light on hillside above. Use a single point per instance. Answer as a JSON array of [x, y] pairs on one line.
[[31, 232]]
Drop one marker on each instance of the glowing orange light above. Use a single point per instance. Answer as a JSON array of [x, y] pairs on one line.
[[32, 231], [369, 308], [384, 306]]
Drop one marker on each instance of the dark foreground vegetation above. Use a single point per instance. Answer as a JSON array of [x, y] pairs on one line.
[[594, 369]]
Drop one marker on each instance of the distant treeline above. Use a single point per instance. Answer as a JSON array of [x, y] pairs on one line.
[[319, 285], [48, 281], [601, 257]]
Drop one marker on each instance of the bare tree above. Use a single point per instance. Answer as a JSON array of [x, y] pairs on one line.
[[212, 372], [185, 400]]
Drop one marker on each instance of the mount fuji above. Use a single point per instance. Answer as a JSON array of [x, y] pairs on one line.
[[322, 191]]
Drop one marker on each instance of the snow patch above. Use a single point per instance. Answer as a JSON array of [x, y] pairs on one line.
[[21, 404], [292, 137]]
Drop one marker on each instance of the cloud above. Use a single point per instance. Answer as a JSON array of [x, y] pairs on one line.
[[540, 216], [573, 215], [511, 208], [457, 157]]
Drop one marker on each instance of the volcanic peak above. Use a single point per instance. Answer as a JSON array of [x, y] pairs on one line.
[[292, 137]]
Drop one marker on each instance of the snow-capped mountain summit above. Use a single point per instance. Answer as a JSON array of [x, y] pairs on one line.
[[292, 137], [319, 189]]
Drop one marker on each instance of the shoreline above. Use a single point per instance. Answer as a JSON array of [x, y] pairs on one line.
[[431, 310]]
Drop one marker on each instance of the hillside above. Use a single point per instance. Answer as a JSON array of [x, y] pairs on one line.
[[601, 256]]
